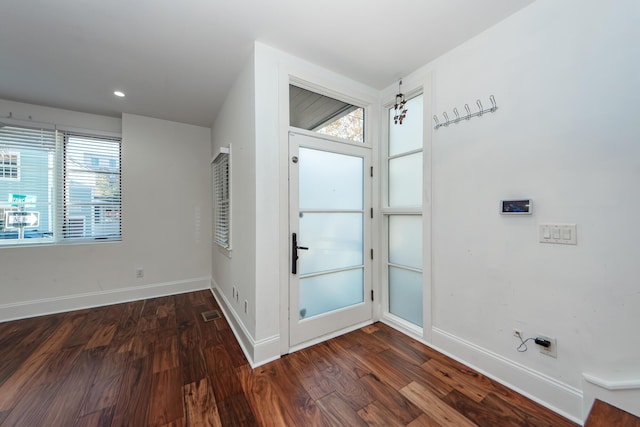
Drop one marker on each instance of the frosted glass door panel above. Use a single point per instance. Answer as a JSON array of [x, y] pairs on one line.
[[405, 294], [330, 180], [405, 240], [335, 240], [328, 292], [405, 181], [407, 136]]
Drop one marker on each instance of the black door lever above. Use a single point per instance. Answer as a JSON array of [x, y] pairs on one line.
[[294, 253]]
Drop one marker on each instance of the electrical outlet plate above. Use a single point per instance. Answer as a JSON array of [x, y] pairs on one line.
[[552, 350], [139, 273]]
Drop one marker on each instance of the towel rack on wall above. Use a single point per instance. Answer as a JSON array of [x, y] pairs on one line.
[[467, 116]]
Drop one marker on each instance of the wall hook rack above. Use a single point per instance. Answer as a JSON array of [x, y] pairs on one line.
[[469, 115]]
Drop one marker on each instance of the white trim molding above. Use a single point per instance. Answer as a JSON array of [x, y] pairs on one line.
[[547, 391], [257, 352], [45, 306], [622, 392]]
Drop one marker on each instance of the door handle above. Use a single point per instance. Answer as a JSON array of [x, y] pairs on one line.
[[294, 253]]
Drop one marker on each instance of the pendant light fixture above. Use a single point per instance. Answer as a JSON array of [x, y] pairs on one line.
[[399, 106]]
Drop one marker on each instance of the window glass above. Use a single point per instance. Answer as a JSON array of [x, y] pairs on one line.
[[319, 113], [59, 182], [405, 181], [407, 136]]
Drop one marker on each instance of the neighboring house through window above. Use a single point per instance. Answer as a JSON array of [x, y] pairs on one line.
[[9, 165]]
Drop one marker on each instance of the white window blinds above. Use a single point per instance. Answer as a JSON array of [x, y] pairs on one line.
[[27, 184], [91, 201], [221, 199], [59, 185]]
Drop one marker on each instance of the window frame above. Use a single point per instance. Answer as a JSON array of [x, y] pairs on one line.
[[53, 183], [388, 211], [222, 192]]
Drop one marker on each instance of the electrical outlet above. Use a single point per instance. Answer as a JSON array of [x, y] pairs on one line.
[[552, 350], [139, 273], [246, 306], [517, 333]]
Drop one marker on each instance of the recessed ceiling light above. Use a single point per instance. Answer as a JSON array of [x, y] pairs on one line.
[[119, 93]]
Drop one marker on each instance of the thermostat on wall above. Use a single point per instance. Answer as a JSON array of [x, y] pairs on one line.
[[516, 207]]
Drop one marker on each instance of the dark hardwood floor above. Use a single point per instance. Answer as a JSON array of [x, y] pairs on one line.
[[157, 363]]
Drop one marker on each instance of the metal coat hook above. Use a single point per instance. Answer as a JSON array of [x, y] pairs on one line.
[[469, 115]]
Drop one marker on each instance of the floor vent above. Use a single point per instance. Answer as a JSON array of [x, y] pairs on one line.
[[208, 316]]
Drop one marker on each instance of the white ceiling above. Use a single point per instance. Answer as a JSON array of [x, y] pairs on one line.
[[176, 59]]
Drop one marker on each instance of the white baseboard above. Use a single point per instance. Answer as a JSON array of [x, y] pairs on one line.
[[549, 392], [257, 352], [40, 307], [623, 393]]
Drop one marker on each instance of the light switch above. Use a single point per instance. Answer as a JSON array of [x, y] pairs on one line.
[[564, 234]]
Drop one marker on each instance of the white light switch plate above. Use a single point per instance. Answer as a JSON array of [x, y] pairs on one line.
[[563, 234]]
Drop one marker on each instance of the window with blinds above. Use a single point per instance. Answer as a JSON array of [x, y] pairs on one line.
[[57, 186], [221, 200]]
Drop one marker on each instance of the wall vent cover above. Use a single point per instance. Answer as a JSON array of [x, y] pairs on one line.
[[208, 316]]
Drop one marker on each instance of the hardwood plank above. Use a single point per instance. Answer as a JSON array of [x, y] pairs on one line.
[[487, 414], [100, 418], [368, 341], [331, 355], [385, 372], [166, 402], [222, 375], [190, 357], [235, 411], [200, 405], [456, 379], [424, 421], [603, 414], [58, 365], [32, 406], [415, 372], [165, 354], [403, 345], [133, 400], [344, 381], [310, 377], [296, 401], [339, 412], [390, 398], [268, 408], [375, 414], [102, 395], [226, 337], [435, 408]]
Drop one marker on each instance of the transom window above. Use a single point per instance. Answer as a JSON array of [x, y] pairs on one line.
[[319, 113]]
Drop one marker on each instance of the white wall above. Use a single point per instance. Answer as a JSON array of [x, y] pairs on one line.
[[166, 212], [235, 126], [565, 77]]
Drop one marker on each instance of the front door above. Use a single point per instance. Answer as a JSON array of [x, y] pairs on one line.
[[330, 274]]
